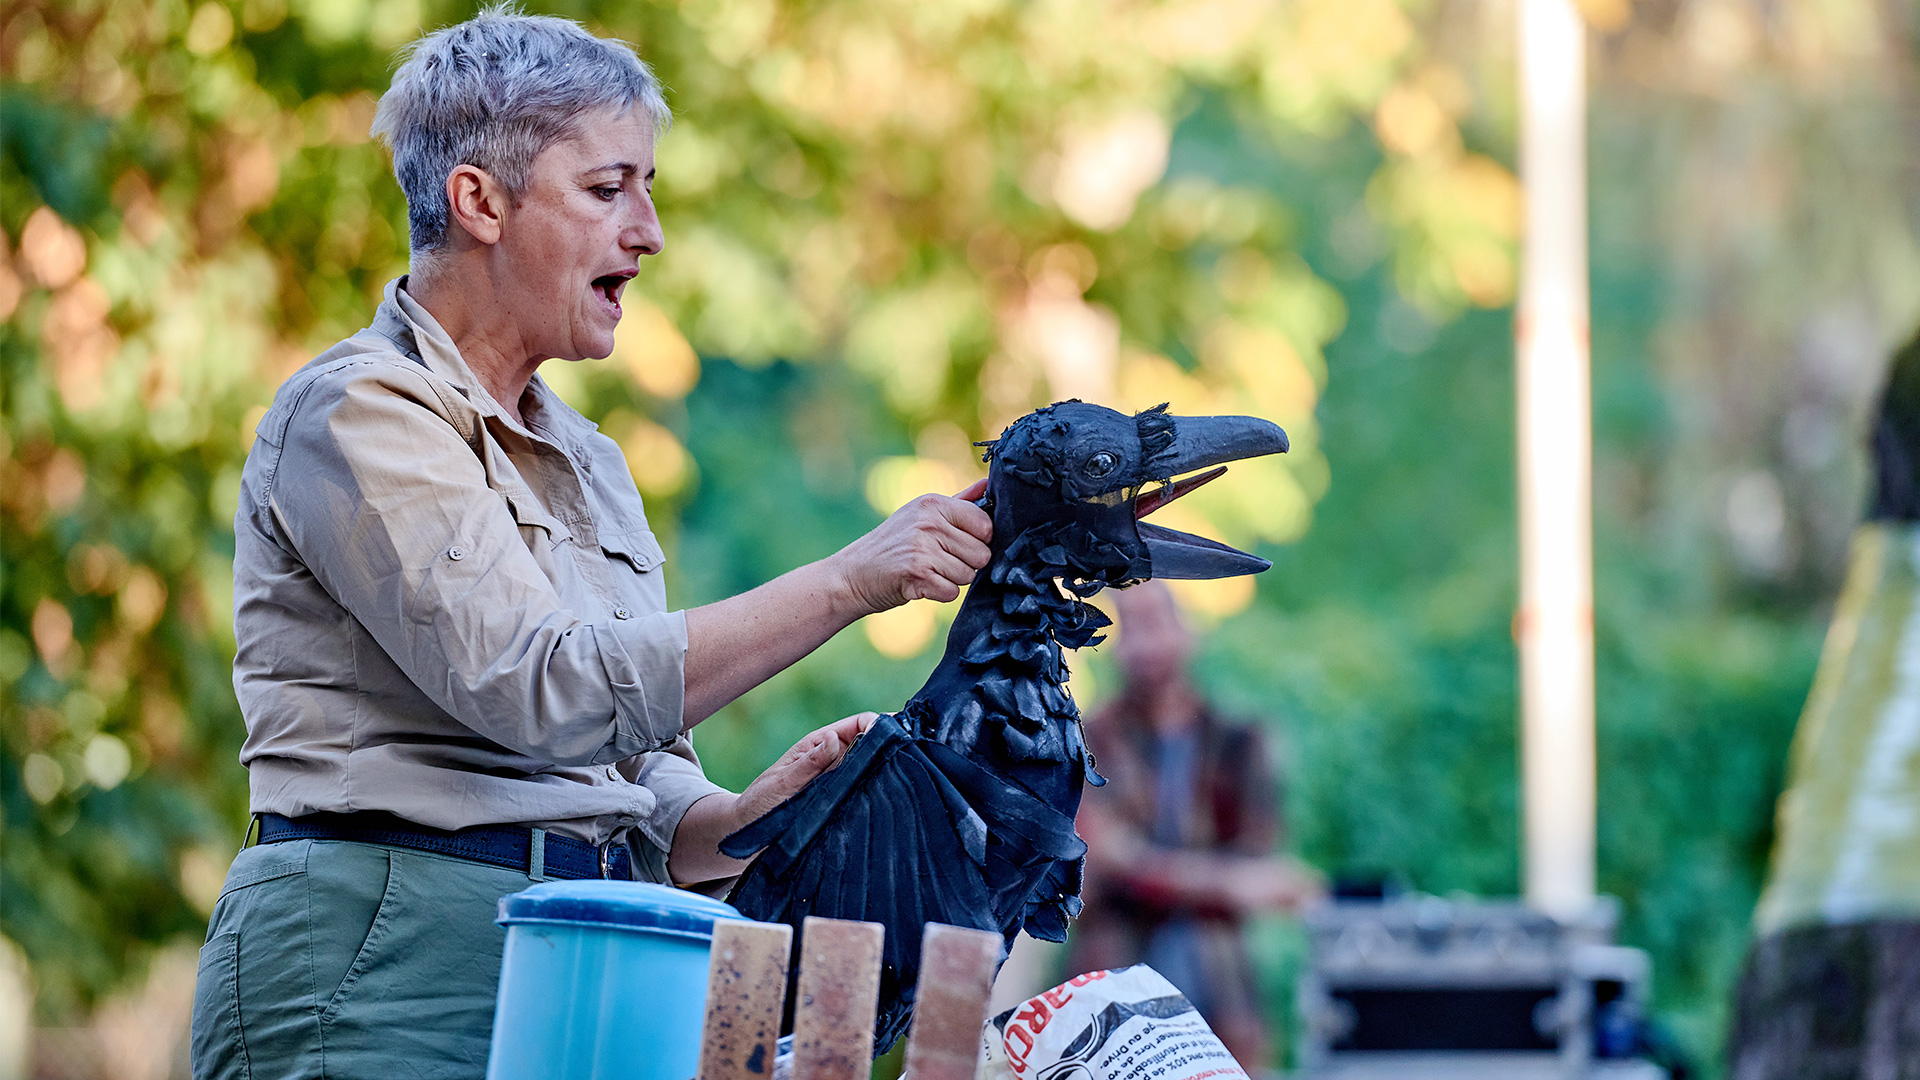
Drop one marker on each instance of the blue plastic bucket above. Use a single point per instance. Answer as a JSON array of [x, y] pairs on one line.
[[602, 980]]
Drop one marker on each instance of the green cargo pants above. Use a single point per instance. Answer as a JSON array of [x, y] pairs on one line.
[[349, 960]]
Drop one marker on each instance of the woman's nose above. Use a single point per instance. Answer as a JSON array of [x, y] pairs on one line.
[[643, 234]]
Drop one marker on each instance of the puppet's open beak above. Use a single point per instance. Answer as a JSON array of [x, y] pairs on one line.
[[1202, 442]]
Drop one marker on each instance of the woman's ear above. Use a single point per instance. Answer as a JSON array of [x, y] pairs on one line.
[[477, 203]]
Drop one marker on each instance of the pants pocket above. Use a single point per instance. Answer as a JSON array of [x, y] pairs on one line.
[[371, 946], [219, 1045], [418, 1000]]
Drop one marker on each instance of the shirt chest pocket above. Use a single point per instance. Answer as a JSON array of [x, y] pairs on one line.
[[635, 547], [542, 531]]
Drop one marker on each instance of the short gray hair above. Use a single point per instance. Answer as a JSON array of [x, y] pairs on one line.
[[492, 92]]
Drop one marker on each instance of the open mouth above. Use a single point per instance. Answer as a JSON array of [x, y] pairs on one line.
[[1200, 444], [609, 287]]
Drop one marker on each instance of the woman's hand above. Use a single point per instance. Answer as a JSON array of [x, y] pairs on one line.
[[696, 842], [819, 751], [929, 548]]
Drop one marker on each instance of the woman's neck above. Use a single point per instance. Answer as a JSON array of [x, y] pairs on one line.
[[481, 329]]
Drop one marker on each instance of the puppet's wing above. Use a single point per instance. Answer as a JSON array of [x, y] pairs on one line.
[[904, 832]]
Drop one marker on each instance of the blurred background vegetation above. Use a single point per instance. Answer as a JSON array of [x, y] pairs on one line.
[[895, 225]]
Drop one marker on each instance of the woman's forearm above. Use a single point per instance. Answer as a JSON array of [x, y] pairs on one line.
[[696, 843], [928, 548], [740, 642]]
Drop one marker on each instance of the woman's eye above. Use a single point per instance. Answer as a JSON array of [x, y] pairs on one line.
[[1101, 464], [607, 192]]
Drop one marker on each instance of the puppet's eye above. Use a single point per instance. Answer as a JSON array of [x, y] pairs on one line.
[[1101, 464]]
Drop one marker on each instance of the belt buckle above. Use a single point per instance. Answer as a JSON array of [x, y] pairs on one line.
[[606, 860]]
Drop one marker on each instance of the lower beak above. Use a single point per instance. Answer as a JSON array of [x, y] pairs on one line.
[[1184, 556]]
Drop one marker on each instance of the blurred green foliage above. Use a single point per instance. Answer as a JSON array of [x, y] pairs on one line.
[[891, 228]]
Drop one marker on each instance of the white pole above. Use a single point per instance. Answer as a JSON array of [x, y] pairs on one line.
[[1554, 626]]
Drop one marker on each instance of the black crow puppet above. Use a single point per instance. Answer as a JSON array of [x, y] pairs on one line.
[[959, 808]]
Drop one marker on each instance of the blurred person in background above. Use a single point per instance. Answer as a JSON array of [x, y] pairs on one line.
[[1181, 844], [1831, 986], [455, 659]]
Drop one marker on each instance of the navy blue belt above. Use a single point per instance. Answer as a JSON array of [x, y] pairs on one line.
[[509, 846]]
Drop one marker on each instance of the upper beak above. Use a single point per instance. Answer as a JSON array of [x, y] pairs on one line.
[[1203, 441], [1200, 442]]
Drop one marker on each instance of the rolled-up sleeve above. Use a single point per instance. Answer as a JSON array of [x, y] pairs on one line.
[[646, 664], [675, 778], [378, 493]]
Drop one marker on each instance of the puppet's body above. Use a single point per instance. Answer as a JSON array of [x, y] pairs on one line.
[[959, 808]]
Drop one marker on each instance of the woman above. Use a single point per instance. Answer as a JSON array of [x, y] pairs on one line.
[[454, 655]]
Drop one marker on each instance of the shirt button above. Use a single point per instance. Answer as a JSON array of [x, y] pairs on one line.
[[622, 613], [457, 553]]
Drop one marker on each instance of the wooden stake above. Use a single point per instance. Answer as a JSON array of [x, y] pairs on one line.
[[746, 990], [839, 985], [950, 1007]]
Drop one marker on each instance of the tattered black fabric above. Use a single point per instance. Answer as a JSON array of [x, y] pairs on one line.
[[959, 808]]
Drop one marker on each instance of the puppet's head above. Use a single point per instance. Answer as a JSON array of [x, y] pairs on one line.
[[1071, 482]]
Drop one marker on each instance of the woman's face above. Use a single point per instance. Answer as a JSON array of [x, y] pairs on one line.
[[575, 238]]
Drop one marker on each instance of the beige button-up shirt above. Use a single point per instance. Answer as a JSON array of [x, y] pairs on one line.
[[449, 616]]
